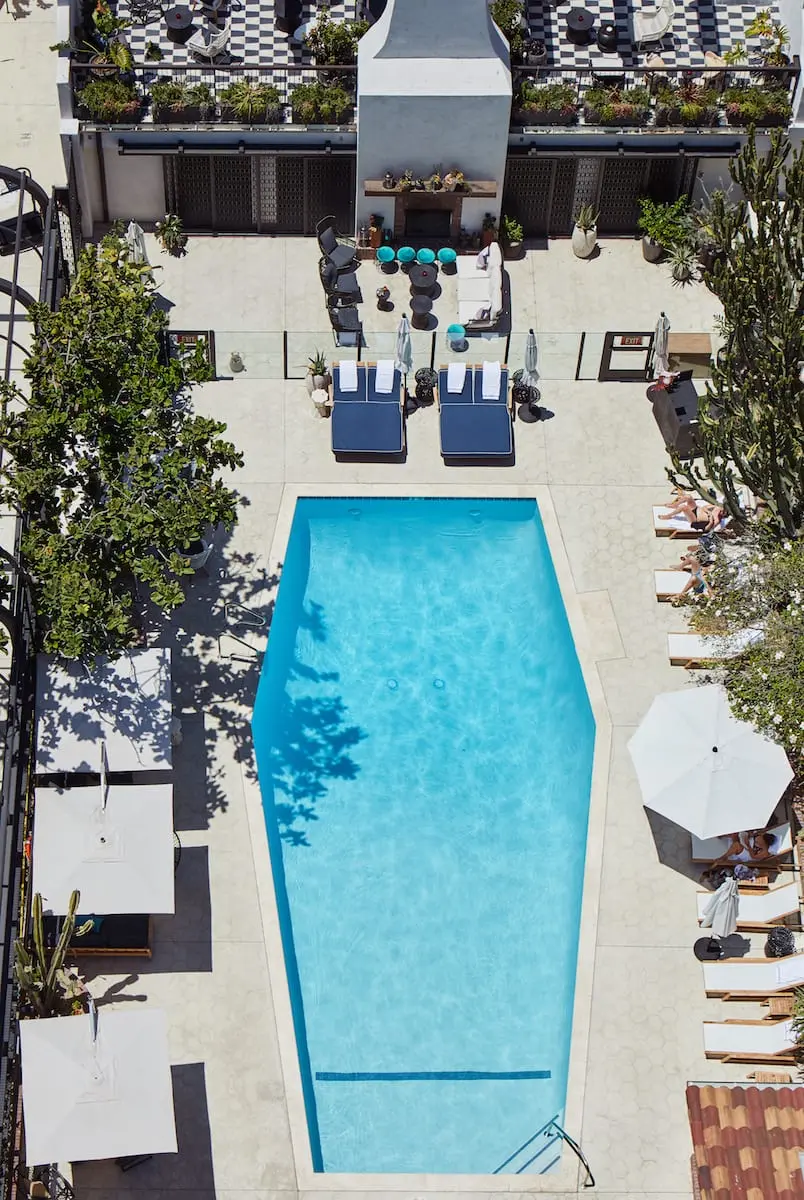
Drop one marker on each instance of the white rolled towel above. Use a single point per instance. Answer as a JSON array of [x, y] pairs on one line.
[[491, 381], [347, 373], [384, 379], [456, 375]]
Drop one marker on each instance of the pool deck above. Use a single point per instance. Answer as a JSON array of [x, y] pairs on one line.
[[599, 464]]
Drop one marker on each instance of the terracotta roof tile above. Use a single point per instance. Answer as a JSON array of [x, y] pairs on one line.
[[747, 1140]]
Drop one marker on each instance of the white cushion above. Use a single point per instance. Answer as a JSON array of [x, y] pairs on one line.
[[496, 301], [474, 289], [495, 255], [467, 267], [495, 277], [466, 311]]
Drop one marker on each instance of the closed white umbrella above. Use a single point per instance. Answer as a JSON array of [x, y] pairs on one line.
[[661, 363], [702, 768], [721, 911], [404, 348], [135, 240], [531, 374]]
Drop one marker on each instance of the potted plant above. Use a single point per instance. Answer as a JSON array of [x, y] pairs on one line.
[[584, 235], [335, 42], [682, 262], [773, 36], [686, 103], [111, 101], [488, 233], [320, 103], [509, 16], [663, 226], [435, 182], [616, 106], [153, 52], [317, 377], [406, 182], [171, 236], [453, 181], [246, 103], [512, 236], [174, 100], [747, 104], [549, 104]]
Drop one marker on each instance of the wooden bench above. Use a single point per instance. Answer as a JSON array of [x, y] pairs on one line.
[[690, 351]]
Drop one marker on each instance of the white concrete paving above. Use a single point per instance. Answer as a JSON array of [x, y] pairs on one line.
[[603, 460]]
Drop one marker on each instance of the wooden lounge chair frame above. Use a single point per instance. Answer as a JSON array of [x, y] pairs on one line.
[[758, 926], [759, 994], [784, 1056]]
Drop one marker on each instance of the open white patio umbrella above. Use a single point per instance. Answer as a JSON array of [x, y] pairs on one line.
[[702, 768], [720, 913], [102, 1096], [126, 703], [135, 240], [531, 373], [661, 363], [404, 348], [117, 853]]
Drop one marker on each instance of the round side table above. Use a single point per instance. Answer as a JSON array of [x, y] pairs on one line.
[[420, 307], [579, 26]]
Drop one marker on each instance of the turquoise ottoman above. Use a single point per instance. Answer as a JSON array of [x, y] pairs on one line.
[[427, 257]]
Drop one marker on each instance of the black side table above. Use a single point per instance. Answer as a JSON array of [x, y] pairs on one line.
[[607, 37], [179, 22], [422, 278], [579, 26], [420, 307]]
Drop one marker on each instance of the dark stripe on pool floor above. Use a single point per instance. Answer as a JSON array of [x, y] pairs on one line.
[[401, 1076]]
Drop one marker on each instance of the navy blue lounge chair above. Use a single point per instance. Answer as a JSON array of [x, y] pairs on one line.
[[367, 421], [472, 427]]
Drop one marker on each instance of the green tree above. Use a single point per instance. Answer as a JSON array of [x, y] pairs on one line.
[[116, 475], [752, 415], [758, 585]]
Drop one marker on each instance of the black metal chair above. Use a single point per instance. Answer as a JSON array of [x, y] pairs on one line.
[[346, 325], [341, 255], [340, 288]]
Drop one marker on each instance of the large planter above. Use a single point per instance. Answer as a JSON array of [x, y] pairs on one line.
[[193, 114], [545, 116], [651, 251], [666, 116], [583, 241], [512, 250], [272, 116], [769, 121], [619, 120]]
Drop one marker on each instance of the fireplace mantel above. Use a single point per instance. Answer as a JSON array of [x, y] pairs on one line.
[[477, 189], [451, 202]]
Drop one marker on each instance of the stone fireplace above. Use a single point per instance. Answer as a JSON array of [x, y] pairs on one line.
[[434, 94]]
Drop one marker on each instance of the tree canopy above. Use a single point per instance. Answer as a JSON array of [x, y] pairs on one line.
[[752, 415], [106, 460]]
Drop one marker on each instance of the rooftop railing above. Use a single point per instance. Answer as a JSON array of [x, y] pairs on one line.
[[200, 94], [667, 98]]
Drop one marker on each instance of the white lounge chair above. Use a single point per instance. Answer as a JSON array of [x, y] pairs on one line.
[[651, 24], [670, 584], [760, 909], [664, 526], [750, 1041], [706, 850], [697, 650], [209, 45], [753, 978]]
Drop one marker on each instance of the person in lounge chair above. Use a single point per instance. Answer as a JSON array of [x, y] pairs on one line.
[[753, 847], [701, 516]]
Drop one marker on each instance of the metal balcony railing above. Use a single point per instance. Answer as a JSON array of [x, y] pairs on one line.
[[667, 98]]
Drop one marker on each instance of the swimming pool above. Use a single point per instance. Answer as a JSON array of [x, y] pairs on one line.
[[424, 744]]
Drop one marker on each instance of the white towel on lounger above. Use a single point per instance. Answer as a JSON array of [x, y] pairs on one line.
[[456, 376], [491, 381], [347, 374], [384, 378]]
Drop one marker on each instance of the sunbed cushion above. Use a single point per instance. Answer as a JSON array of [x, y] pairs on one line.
[[475, 431], [369, 428]]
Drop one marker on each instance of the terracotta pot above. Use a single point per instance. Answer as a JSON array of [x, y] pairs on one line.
[[487, 236]]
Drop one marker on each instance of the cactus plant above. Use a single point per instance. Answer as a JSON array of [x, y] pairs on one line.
[[41, 975]]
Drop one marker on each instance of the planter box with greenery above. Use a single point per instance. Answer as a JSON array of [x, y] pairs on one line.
[[616, 106], [760, 106], [245, 103], [509, 16], [110, 101], [173, 101], [321, 104], [664, 226], [688, 104], [550, 104]]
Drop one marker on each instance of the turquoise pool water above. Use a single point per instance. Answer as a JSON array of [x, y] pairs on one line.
[[424, 744]]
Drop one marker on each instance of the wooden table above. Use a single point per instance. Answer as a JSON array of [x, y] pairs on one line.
[[780, 1006]]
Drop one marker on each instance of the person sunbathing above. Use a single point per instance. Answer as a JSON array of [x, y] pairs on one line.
[[696, 583], [701, 516], [753, 846]]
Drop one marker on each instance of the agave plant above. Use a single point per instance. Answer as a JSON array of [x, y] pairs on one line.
[[682, 263]]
